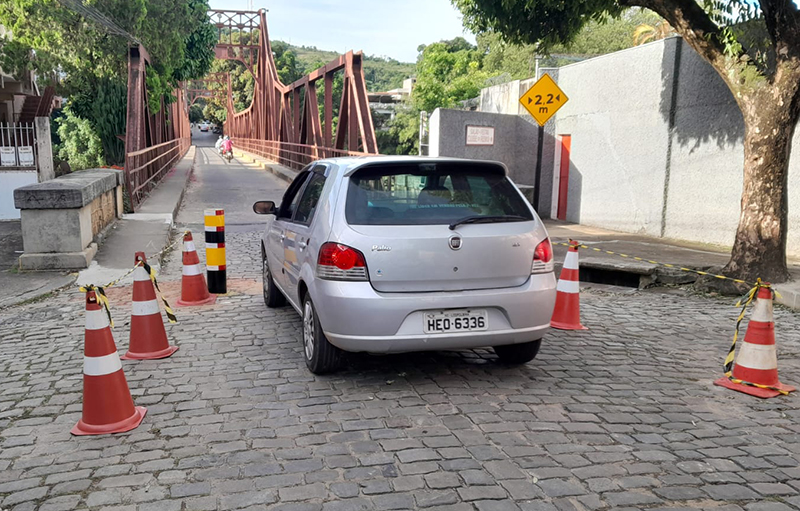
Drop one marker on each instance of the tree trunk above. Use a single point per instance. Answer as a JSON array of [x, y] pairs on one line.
[[759, 249]]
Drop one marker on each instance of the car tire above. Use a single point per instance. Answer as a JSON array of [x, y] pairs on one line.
[[273, 297], [320, 355], [518, 353]]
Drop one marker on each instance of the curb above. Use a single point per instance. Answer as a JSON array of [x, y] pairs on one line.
[[788, 297], [62, 283], [186, 183]]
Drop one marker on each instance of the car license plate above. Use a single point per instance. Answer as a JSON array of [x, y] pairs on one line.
[[460, 320]]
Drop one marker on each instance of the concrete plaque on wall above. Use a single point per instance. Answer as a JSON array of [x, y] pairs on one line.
[[8, 157], [25, 156], [480, 135]]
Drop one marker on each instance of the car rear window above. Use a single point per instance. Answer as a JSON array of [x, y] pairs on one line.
[[431, 193]]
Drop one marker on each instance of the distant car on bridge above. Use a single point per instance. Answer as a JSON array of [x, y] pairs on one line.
[[396, 254], [204, 126]]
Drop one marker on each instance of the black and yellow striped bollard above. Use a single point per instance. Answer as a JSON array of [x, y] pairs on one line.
[[215, 251]]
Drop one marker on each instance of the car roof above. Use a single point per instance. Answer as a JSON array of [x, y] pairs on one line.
[[350, 164]]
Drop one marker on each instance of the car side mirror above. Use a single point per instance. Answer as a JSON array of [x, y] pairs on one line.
[[264, 207]]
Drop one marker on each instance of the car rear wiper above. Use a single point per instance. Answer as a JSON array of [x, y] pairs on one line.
[[479, 219]]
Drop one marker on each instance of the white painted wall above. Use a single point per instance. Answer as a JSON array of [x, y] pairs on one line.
[[9, 181], [619, 139]]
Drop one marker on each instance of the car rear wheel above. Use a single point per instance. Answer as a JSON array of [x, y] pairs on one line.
[[518, 353], [272, 295], [321, 356]]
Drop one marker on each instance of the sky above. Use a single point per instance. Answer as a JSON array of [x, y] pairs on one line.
[[377, 27]]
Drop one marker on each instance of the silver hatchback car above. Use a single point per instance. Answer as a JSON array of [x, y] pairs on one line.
[[394, 254]]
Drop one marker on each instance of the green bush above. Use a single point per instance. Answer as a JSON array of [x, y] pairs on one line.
[[80, 145]]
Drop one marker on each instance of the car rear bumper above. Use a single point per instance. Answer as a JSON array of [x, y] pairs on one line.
[[355, 317], [425, 342]]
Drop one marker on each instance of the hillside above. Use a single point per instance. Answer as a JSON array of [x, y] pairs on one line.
[[381, 73]]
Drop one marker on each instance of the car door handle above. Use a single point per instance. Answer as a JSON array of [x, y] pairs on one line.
[[302, 245]]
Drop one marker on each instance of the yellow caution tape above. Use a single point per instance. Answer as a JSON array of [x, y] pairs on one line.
[[152, 273], [666, 265], [101, 297], [101, 289]]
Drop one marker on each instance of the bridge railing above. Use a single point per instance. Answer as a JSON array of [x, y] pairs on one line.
[[294, 156], [147, 167]]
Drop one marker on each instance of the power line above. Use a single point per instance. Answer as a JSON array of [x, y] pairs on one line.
[[99, 18]]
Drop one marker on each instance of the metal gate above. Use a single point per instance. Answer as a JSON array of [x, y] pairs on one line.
[[17, 145]]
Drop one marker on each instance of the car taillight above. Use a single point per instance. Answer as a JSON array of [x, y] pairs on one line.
[[340, 262], [543, 257]]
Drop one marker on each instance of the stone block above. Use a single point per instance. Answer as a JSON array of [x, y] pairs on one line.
[[58, 261], [56, 230], [70, 191], [63, 218]]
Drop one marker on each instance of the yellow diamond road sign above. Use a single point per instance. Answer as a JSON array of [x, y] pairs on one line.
[[543, 99]]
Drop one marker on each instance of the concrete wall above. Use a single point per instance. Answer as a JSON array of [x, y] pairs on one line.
[[9, 180], [706, 157], [504, 98], [514, 140], [657, 146], [619, 138]]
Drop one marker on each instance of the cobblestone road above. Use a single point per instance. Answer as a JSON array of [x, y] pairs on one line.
[[622, 416]]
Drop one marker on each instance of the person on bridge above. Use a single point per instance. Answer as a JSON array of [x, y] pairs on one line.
[[218, 144], [227, 145]]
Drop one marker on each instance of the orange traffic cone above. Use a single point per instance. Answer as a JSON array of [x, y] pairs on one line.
[[756, 365], [107, 403], [148, 336], [567, 312], [193, 284]]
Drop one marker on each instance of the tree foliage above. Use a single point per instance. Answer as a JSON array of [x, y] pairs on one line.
[[289, 69], [103, 105], [402, 136], [196, 111], [79, 143], [448, 72], [91, 64], [594, 38]]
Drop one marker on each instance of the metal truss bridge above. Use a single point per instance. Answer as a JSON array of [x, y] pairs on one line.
[[291, 124]]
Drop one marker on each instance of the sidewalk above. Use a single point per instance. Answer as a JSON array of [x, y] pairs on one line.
[[279, 170], [146, 231], [600, 267], [19, 286]]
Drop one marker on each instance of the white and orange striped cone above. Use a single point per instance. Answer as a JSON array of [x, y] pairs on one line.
[[107, 403], [193, 284], [148, 336], [567, 312], [756, 369]]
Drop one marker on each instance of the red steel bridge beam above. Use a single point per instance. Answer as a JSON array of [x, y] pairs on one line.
[[214, 86], [285, 122], [154, 141]]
